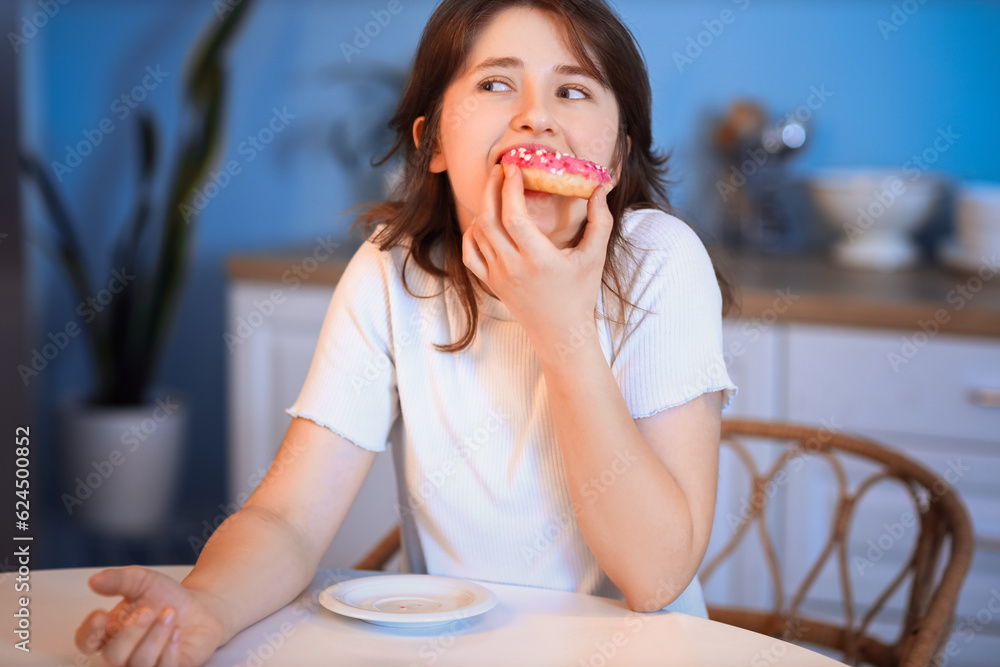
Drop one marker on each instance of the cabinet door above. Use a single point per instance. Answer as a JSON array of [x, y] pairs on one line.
[[271, 348], [882, 380], [752, 354]]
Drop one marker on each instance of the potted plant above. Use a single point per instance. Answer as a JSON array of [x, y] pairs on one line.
[[122, 446]]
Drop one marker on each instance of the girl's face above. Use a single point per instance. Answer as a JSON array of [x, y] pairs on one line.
[[522, 85]]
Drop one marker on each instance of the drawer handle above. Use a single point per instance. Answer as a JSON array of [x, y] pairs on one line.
[[985, 398]]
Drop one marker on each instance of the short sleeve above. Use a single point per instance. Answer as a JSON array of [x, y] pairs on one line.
[[673, 353], [351, 385]]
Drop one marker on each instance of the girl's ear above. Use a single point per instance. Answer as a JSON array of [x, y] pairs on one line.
[[438, 163], [615, 173]]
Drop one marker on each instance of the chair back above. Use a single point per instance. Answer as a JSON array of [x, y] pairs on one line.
[[940, 517]]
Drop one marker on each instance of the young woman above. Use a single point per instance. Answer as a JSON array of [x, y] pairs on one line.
[[547, 370]]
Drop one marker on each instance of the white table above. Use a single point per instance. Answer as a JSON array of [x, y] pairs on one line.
[[528, 626]]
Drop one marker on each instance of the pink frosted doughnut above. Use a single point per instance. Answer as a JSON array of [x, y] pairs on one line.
[[557, 173]]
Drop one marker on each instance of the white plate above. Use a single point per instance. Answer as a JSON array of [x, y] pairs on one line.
[[407, 600]]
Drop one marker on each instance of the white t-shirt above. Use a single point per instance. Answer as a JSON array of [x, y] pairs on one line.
[[480, 481]]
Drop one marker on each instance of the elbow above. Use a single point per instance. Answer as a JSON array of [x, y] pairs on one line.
[[657, 596], [641, 608], [645, 604], [651, 595], [662, 584]]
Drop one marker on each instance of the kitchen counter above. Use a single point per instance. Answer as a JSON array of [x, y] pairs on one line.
[[823, 293], [799, 288]]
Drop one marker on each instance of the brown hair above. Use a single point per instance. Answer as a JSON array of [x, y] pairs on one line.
[[424, 211]]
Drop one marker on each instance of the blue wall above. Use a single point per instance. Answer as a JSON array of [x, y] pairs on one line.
[[891, 93]]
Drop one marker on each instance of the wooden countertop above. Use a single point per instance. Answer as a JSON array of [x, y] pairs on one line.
[[807, 288], [963, 303], [289, 265]]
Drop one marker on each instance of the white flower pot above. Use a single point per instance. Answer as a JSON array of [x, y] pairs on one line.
[[120, 464]]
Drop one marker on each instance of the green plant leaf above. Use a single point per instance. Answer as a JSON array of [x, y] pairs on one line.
[[126, 386], [128, 337], [70, 255], [204, 86]]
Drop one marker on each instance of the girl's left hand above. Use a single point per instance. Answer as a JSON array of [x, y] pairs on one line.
[[552, 292]]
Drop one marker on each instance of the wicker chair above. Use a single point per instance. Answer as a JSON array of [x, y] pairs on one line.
[[381, 553], [930, 609]]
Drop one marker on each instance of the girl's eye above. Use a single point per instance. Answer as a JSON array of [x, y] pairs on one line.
[[492, 84], [575, 93], [498, 86]]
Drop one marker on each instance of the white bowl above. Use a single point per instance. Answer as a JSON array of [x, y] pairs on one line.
[[890, 198], [875, 210]]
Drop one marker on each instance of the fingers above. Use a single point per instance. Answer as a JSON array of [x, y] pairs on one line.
[[137, 636], [100, 627], [125, 636], [156, 641], [490, 208], [171, 656], [143, 639], [129, 582], [599, 222], [472, 256], [523, 231], [476, 247], [514, 204], [90, 635], [491, 235]]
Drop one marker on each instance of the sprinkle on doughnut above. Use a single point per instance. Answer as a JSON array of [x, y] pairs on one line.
[[557, 173], [558, 163]]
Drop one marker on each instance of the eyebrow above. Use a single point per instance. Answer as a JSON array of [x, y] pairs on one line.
[[512, 62]]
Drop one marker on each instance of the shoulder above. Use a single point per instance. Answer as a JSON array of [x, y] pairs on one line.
[[371, 261], [656, 229], [389, 267], [659, 240]]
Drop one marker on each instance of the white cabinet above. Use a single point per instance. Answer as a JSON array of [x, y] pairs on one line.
[[271, 343], [881, 381], [923, 395]]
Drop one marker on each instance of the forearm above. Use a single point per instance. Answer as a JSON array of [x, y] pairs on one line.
[[631, 511], [251, 566]]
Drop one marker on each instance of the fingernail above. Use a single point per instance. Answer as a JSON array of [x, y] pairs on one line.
[[176, 636], [508, 170], [168, 615], [145, 616]]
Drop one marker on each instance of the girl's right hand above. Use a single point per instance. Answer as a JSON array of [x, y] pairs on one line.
[[159, 623]]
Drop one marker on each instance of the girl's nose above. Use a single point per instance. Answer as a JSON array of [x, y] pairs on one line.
[[533, 113]]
